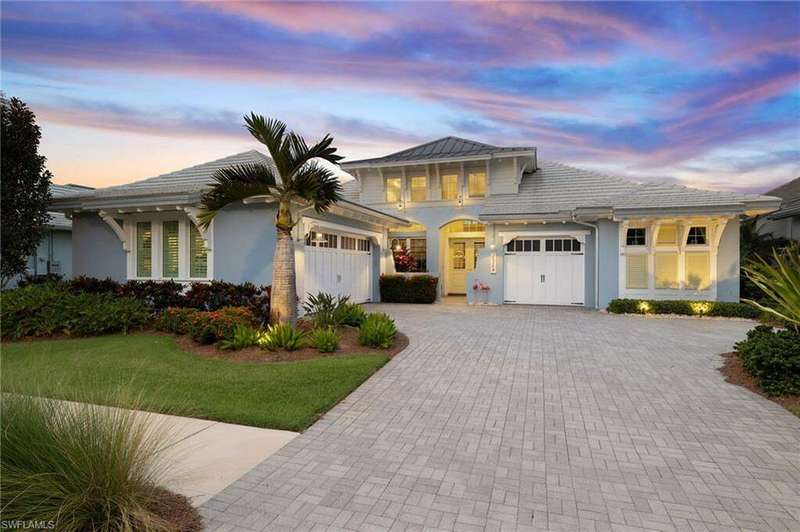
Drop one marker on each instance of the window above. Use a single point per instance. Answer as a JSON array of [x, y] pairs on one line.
[[698, 271], [170, 254], [144, 249], [636, 271], [458, 255], [322, 240], [198, 255], [637, 236], [666, 270], [394, 190], [348, 242], [465, 226], [363, 245], [419, 188], [477, 184], [667, 235], [450, 187], [417, 248], [697, 236]]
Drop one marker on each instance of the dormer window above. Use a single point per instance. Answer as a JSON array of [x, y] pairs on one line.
[[477, 185], [419, 188], [394, 190], [697, 236]]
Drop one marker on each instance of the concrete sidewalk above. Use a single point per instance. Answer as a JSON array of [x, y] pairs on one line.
[[206, 456]]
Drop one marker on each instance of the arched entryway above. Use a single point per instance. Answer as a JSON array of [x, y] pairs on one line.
[[460, 241]]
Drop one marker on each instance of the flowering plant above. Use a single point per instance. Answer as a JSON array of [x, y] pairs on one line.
[[477, 285]]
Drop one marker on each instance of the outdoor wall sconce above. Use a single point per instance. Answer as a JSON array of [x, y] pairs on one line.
[[460, 200], [401, 205]]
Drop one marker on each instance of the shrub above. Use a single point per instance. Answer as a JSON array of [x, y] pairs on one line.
[[218, 294], [243, 336], [45, 278], [83, 467], [93, 285], [175, 320], [780, 282], [326, 310], [377, 330], [684, 307], [773, 359], [408, 289], [282, 336], [157, 294], [218, 325], [325, 340], [353, 314], [43, 310]]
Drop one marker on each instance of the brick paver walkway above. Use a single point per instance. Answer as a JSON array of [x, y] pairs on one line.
[[518, 418]]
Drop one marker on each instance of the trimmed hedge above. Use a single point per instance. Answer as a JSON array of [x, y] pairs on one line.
[[160, 295], [683, 307], [205, 327], [408, 289], [773, 359], [45, 310]]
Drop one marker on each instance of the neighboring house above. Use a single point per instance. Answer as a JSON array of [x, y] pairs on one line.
[[53, 255], [785, 222], [535, 232]]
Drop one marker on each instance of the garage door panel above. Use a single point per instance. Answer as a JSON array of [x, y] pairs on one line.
[[344, 272], [544, 277]]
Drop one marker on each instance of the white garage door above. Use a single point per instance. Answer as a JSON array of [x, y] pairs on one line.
[[338, 264], [544, 271]]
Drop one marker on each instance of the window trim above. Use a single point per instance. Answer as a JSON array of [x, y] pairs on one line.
[[156, 227]]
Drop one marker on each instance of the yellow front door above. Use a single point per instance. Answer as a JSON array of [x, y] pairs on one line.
[[462, 255]]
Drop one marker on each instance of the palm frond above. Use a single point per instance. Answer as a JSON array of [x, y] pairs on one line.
[[301, 154], [317, 185], [235, 184], [779, 282], [271, 133]]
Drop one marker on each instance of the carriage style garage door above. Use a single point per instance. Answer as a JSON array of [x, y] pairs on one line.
[[544, 271], [338, 264]]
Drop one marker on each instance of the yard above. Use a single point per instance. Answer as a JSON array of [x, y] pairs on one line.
[[164, 378]]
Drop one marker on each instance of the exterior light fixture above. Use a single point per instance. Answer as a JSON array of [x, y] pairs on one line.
[[400, 205], [700, 307], [644, 307], [460, 200]]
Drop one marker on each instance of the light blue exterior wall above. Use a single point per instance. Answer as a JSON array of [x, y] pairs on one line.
[[96, 250], [608, 274], [244, 243], [728, 263]]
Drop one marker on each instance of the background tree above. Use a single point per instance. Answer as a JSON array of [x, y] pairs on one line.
[[24, 188], [294, 179]]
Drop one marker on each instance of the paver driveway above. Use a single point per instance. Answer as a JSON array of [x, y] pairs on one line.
[[536, 418]]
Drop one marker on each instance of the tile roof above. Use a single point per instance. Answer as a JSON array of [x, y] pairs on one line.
[[790, 194], [59, 220], [444, 148], [193, 179], [556, 187]]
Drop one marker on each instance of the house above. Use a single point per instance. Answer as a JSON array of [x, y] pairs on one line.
[[532, 231], [53, 255], [785, 222]]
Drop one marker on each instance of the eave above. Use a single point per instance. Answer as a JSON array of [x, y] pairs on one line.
[[377, 163]]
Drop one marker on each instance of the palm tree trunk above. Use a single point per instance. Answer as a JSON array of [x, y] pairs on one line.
[[283, 303]]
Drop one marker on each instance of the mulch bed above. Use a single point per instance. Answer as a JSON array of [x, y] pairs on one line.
[[735, 373], [178, 511], [347, 346]]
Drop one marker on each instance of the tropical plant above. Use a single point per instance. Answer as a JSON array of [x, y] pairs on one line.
[[294, 177], [25, 188], [77, 467], [243, 336], [780, 282], [772, 358], [353, 314], [378, 330], [326, 310], [325, 340], [282, 336]]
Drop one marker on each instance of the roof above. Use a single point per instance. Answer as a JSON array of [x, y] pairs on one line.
[[59, 220], [555, 188], [440, 149], [790, 194]]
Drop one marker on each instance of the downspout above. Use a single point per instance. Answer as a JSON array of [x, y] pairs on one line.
[[596, 259]]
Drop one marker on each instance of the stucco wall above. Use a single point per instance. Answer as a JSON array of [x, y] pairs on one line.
[[608, 246], [96, 250], [728, 263], [244, 244]]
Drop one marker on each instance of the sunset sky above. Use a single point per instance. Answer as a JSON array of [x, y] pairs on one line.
[[703, 94]]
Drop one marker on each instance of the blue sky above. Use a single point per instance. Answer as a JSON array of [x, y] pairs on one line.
[[704, 94]]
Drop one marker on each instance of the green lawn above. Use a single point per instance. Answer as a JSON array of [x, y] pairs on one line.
[[155, 374]]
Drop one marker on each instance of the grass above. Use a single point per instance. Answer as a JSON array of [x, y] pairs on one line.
[[286, 395]]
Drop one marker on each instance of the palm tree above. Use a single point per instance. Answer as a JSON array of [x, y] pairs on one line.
[[295, 179]]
